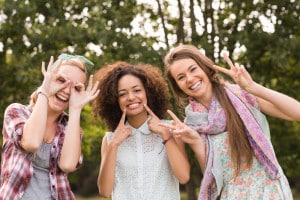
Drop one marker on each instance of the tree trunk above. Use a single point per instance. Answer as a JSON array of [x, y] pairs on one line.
[[190, 188], [160, 12], [180, 28]]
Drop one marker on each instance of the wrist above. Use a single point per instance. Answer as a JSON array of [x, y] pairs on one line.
[[167, 139], [42, 93], [42, 90]]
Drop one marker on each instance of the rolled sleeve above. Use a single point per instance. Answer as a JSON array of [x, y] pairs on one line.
[[14, 119]]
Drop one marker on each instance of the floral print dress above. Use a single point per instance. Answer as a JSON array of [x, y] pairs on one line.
[[253, 183]]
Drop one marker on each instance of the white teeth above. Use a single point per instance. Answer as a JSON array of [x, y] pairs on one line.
[[62, 98], [134, 105], [198, 84]]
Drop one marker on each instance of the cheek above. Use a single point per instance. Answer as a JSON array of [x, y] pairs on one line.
[[121, 103], [181, 84]]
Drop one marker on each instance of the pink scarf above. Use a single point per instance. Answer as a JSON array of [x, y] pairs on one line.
[[261, 146]]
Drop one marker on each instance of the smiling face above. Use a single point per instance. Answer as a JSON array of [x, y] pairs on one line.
[[132, 97], [192, 80], [60, 101]]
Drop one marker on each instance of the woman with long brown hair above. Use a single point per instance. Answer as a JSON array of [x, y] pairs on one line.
[[226, 128]]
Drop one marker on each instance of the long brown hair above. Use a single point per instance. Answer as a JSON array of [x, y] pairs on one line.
[[240, 147]]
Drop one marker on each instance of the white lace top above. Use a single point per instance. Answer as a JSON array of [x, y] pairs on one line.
[[143, 171]]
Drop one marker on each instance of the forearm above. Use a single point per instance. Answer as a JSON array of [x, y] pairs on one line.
[[200, 153], [178, 161], [71, 149], [276, 103], [106, 177], [34, 128]]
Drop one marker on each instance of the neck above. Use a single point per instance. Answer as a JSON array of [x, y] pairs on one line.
[[137, 121], [206, 99], [52, 117]]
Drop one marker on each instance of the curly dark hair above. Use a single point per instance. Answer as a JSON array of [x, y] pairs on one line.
[[106, 105]]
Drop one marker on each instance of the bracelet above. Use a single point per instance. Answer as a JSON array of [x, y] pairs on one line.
[[42, 93], [166, 140]]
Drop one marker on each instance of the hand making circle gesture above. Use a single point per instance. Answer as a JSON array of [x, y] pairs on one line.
[[49, 85], [81, 96]]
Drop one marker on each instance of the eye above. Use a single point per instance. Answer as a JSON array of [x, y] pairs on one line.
[[61, 80], [78, 88], [121, 94], [180, 77], [193, 69]]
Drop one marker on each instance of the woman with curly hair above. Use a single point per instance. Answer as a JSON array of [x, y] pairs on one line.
[[140, 159]]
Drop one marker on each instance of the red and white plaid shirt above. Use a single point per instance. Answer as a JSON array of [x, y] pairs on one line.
[[16, 164]]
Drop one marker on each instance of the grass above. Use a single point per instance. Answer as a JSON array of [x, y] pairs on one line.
[[183, 197]]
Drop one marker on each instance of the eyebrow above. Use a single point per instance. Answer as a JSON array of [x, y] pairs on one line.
[[131, 88]]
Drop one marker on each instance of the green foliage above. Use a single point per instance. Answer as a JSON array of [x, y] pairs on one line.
[[94, 131], [32, 31]]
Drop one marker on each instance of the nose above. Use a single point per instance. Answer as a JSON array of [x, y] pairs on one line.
[[189, 77], [67, 89], [130, 96]]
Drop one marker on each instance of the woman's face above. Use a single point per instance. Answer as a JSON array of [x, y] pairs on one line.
[[60, 101], [191, 79], [132, 96]]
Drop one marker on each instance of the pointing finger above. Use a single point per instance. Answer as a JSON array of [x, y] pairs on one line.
[[123, 117], [229, 62], [151, 113], [169, 126], [221, 69], [175, 118]]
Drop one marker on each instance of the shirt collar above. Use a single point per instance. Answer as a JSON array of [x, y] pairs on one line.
[[142, 129]]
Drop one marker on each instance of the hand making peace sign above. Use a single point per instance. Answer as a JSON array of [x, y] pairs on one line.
[[237, 72], [181, 131]]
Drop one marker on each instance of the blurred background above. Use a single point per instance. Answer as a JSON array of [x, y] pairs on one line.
[[264, 35]]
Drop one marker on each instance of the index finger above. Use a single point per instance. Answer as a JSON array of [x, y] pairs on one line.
[[123, 117], [149, 111], [228, 60], [221, 69], [174, 117]]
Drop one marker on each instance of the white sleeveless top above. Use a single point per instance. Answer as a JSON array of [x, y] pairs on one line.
[[143, 171]]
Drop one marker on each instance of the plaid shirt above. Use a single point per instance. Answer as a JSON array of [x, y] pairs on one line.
[[16, 166]]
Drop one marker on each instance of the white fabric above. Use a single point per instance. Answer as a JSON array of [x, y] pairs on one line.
[[143, 171]]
